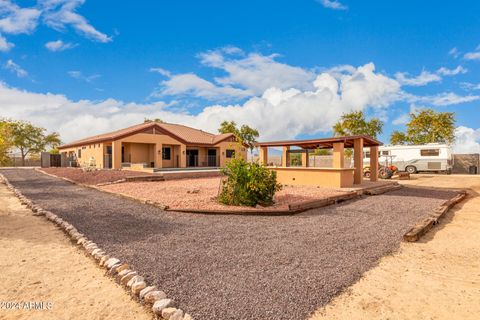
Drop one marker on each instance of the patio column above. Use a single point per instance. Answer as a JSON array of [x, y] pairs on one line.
[[158, 155], [286, 157], [183, 156], [263, 156], [358, 160], [117, 155], [374, 163], [338, 155], [305, 158]]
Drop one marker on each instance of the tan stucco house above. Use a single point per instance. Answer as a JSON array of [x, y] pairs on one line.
[[154, 145]]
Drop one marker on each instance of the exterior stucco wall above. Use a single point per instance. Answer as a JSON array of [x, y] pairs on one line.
[[324, 177], [88, 152]]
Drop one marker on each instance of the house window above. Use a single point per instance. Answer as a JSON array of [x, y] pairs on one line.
[[430, 152], [166, 153], [230, 153], [79, 153]]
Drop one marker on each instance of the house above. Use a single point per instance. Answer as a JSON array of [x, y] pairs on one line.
[[154, 145]]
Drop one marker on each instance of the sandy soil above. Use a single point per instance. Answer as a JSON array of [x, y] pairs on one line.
[[436, 278], [39, 264], [177, 194], [92, 177]]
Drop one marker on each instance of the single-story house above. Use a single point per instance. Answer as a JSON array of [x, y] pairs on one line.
[[154, 145]]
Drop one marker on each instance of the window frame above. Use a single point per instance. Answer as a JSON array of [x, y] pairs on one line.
[[164, 153], [230, 153], [429, 152]]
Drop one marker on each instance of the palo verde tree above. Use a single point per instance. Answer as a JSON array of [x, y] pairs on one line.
[[427, 126], [245, 134], [30, 139]]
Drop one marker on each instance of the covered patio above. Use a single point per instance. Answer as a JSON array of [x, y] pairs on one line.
[[337, 176]]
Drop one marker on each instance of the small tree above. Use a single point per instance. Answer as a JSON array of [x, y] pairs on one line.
[[245, 135], [427, 126], [5, 142], [248, 184], [147, 120], [30, 139], [354, 123]]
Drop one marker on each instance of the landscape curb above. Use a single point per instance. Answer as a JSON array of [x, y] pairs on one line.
[[131, 281], [293, 209], [423, 226]]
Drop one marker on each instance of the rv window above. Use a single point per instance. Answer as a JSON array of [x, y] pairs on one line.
[[166, 153], [367, 154], [430, 152], [385, 153]]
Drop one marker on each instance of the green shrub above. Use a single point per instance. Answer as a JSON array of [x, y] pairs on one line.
[[248, 184]]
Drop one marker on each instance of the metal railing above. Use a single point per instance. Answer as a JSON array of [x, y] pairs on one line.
[[202, 161]]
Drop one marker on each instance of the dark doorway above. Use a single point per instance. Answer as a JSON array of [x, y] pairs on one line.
[[192, 158], [212, 157]]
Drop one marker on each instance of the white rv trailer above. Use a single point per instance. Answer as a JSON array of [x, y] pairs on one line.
[[426, 157]]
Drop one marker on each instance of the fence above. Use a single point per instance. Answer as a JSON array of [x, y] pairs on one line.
[[15, 160]]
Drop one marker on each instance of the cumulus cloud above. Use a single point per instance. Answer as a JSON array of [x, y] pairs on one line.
[[333, 4], [467, 140], [15, 68], [16, 20], [59, 45], [5, 45], [277, 113], [422, 79]]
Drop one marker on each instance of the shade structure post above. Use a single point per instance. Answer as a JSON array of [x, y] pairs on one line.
[[286, 156], [358, 160], [305, 158], [263, 156], [374, 163], [338, 155]]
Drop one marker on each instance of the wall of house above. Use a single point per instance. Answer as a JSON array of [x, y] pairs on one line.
[[240, 151], [89, 151], [172, 162], [139, 153]]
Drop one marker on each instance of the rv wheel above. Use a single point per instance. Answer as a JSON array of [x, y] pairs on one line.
[[411, 169]]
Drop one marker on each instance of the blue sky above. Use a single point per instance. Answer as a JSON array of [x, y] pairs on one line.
[[289, 68]]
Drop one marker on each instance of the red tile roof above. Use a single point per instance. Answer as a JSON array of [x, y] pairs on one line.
[[185, 134]]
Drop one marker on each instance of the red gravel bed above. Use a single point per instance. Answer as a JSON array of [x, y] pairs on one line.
[[201, 193], [92, 177]]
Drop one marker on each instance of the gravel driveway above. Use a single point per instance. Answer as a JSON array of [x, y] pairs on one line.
[[239, 267]]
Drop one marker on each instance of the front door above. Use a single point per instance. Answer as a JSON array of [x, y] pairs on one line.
[[212, 157], [192, 158]]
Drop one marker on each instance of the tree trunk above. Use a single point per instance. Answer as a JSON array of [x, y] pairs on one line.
[[23, 157]]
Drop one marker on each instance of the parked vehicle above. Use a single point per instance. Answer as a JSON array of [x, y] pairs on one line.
[[412, 159]]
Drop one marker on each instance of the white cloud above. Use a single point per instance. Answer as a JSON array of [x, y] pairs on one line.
[[16, 20], [15, 68], [5, 45], [402, 119], [257, 72], [452, 72], [59, 45], [473, 55], [80, 76], [333, 4], [193, 85], [454, 52], [467, 140], [58, 14], [470, 86], [422, 79], [161, 71], [441, 99]]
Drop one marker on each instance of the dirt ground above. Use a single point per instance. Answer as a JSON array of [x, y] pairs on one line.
[[92, 177], [200, 193], [38, 264], [436, 278]]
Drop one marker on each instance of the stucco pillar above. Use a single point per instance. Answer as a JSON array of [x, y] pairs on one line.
[[263, 156], [183, 156], [286, 157], [305, 158], [338, 155], [117, 155], [374, 163], [358, 160], [158, 155]]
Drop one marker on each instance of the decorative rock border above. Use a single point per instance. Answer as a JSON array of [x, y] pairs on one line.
[[423, 226], [132, 282]]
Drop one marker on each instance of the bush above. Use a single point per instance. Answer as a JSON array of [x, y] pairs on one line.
[[248, 184]]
